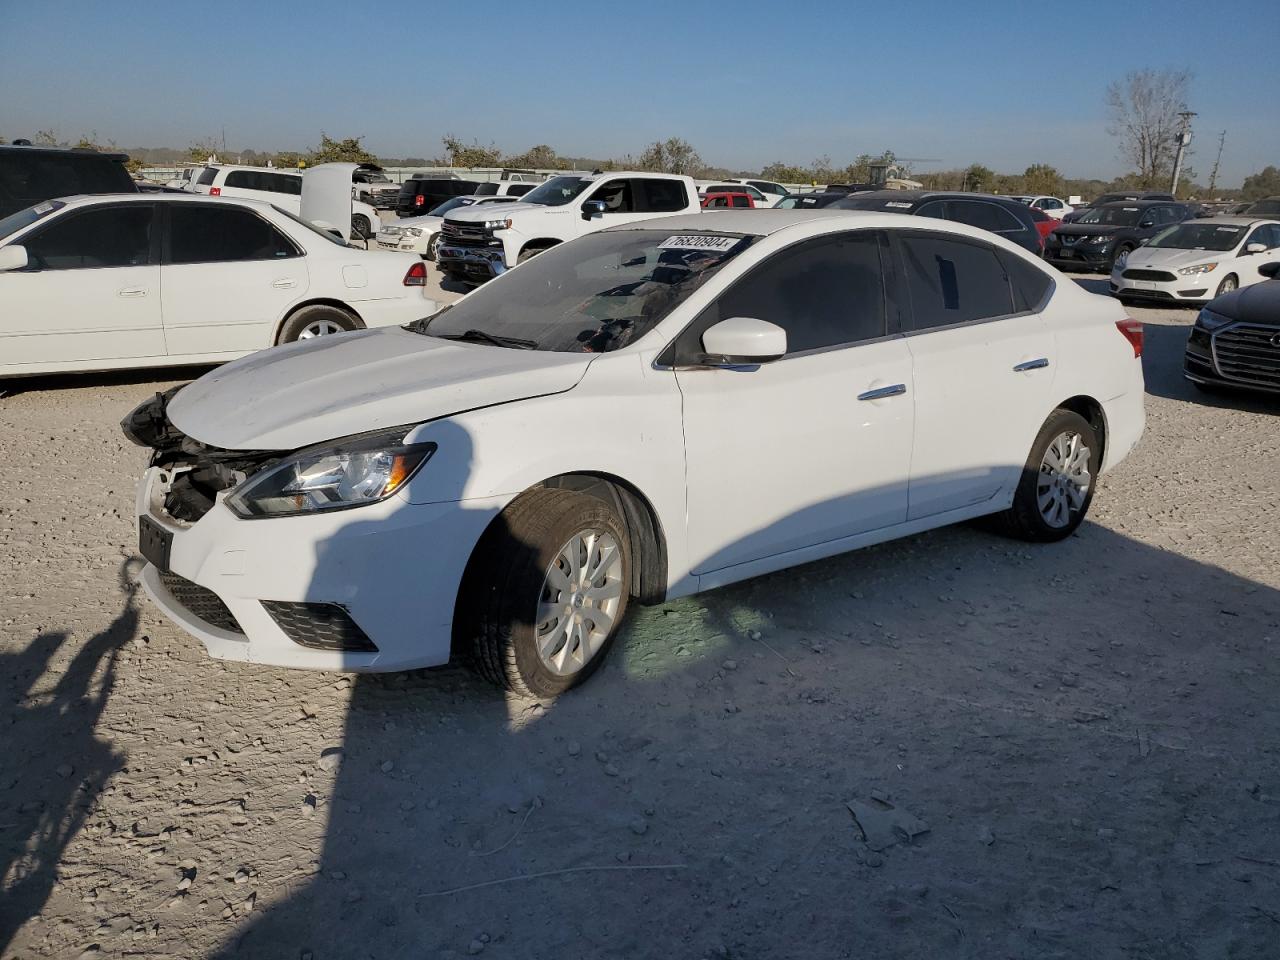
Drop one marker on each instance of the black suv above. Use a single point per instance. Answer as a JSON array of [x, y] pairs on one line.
[[419, 196], [1008, 218], [1106, 233], [31, 175], [1236, 339]]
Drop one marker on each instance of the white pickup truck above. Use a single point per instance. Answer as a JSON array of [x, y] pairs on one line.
[[480, 242]]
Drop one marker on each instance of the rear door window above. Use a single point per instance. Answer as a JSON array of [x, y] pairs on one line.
[[103, 237], [663, 196], [986, 216], [953, 281], [207, 234]]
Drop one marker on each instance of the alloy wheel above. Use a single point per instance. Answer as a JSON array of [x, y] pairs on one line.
[[579, 602], [1064, 480], [320, 328]]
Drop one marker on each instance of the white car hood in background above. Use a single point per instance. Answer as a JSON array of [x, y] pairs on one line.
[[326, 196], [329, 387], [1169, 258], [480, 212], [431, 223]]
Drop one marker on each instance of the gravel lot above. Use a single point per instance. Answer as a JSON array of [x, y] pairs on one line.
[[1090, 732]]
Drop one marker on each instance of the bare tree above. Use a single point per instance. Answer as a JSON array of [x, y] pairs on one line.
[[1144, 109]]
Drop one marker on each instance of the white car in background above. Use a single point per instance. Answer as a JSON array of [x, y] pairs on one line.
[[143, 280], [1197, 260], [1051, 206], [280, 187], [773, 192], [758, 197], [394, 497], [421, 235]]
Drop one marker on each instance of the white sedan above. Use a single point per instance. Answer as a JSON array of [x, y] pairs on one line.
[[649, 411], [1051, 206], [1197, 260], [139, 280], [421, 235]]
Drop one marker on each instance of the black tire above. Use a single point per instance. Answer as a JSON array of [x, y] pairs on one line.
[[528, 253], [1116, 254], [361, 227], [1024, 519], [1228, 284], [319, 314], [503, 586]]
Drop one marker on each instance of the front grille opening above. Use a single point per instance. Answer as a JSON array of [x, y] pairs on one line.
[[1157, 275], [201, 602], [319, 626]]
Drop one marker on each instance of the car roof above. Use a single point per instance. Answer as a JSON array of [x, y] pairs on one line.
[[245, 166], [10, 148], [178, 196], [1143, 204], [1234, 221]]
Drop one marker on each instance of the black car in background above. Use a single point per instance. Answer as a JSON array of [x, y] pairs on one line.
[[1083, 208], [1106, 233], [1009, 218], [419, 196], [31, 175], [1267, 207], [1236, 339], [810, 201]]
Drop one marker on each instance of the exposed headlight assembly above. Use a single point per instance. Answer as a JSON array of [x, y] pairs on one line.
[[1197, 269], [334, 476], [497, 224], [411, 231], [1208, 320]]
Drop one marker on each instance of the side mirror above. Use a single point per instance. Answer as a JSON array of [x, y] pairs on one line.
[[743, 341], [1269, 270], [1255, 248], [13, 257], [592, 208]]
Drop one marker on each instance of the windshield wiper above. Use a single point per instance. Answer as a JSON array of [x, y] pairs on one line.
[[482, 336]]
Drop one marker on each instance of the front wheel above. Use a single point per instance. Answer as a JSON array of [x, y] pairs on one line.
[[433, 245], [1228, 284], [1118, 256], [1057, 482], [545, 592], [361, 227]]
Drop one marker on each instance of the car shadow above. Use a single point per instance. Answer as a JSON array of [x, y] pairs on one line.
[[1054, 714], [162, 376], [55, 762]]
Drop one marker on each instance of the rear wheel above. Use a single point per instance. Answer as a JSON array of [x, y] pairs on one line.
[[1228, 284], [319, 320], [1057, 483], [545, 592]]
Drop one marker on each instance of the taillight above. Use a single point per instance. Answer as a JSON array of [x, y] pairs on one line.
[[215, 191], [1132, 331], [416, 276], [419, 200]]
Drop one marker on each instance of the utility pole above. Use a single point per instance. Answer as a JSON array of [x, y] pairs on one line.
[[1213, 176], [1183, 138]]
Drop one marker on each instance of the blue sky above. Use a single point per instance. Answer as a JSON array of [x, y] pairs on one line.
[[1000, 83]]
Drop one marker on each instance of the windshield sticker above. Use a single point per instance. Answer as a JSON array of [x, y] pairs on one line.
[[1130, 209], [898, 205], [699, 242], [1228, 229]]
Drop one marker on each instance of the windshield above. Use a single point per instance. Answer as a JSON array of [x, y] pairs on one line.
[[1198, 236], [453, 203], [1113, 216], [593, 295], [24, 218], [557, 191]]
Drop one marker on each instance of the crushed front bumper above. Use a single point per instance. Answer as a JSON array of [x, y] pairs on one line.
[[475, 263]]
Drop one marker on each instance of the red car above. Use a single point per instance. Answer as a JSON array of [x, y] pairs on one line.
[[723, 199], [1044, 224]]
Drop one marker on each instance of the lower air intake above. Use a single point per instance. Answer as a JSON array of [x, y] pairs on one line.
[[319, 626]]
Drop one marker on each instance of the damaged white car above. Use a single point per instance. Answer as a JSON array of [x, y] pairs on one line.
[[643, 413]]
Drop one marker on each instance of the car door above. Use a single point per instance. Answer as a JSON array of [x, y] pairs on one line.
[[810, 448], [228, 277], [90, 291], [622, 201], [983, 367]]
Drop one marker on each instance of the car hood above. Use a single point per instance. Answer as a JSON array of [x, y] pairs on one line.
[[480, 212], [425, 221], [1257, 303], [1169, 258], [1086, 229], [330, 387]]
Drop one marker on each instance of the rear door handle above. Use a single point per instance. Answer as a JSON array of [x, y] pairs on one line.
[[1031, 365], [131, 292], [284, 283], [879, 393]]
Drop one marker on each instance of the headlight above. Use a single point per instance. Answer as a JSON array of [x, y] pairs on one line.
[[497, 224], [412, 231], [335, 476], [1208, 320], [391, 231], [1097, 239], [1198, 268]]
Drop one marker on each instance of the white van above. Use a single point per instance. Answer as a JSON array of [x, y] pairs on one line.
[[283, 188]]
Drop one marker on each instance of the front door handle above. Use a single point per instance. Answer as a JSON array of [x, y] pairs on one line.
[[284, 283], [879, 393], [1031, 365], [131, 292]]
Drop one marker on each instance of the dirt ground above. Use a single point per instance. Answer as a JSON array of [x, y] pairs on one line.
[[1081, 742]]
